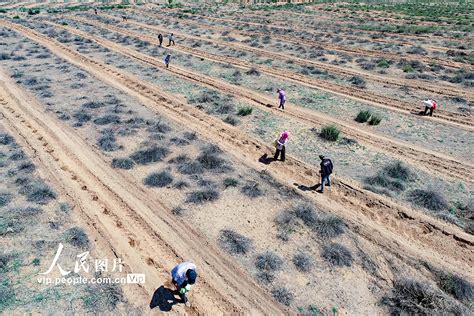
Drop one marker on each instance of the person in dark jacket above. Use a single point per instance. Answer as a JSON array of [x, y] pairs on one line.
[[160, 39], [167, 60], [326, 171]]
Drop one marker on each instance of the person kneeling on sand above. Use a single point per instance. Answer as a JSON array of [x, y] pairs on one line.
[[429, 105], [183, 277]]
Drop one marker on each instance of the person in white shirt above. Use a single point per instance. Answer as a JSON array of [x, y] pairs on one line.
[[429, 105], [183, 277], [171, 39]]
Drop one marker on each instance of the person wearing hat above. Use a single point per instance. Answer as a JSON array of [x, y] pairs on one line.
[[326, 170], [280, 143], [183, 277]]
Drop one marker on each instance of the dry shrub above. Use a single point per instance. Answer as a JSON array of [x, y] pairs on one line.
[[234, 243]]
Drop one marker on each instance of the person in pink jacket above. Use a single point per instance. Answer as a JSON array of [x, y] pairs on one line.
[[280, 145]]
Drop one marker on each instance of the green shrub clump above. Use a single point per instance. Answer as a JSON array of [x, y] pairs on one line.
[[330, 133]]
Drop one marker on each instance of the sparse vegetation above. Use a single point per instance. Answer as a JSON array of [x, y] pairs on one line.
[[202, 196], [232, 120], [330, 133], [358, 82], [102, 297], [430, 199], [363, 116], [382, 180], [158, 179], [234, 243], [283, 295], [269, 262], [265, 277], [375, 119], [107, 141], [123, 163], [337, 255], [178, 211], [37, 192], [77, 237], [149, 155], [456, 286], [210, 159], [329, 226], [6, 139], [400, 171], [142, 148], [252, 189], [412, 297], [244, 111], [228, 182], [303, 262], [7, 295], [192, 167], [392, 178], [5, 198]]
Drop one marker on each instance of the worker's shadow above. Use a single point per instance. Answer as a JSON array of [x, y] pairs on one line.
[[419, 113], [265, 159], [303, 187], [163, 298]]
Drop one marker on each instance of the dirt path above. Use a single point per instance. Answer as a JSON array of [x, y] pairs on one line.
[[459, 120], [345, 49], [407, 233], [430, 161], [140, 230], [447, 89]]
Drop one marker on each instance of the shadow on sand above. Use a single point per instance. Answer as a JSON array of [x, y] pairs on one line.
[[265, 159], [164, 299], [303, 187]]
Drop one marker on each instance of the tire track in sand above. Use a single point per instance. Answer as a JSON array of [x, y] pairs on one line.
[[426, 159], [408, 234], [459, 120]]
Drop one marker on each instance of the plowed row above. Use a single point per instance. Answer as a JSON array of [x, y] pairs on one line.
[[429, 160], [408, 234], [460, 120], [418, 85]]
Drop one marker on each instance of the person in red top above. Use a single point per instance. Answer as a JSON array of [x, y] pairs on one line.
[[429, 105]]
